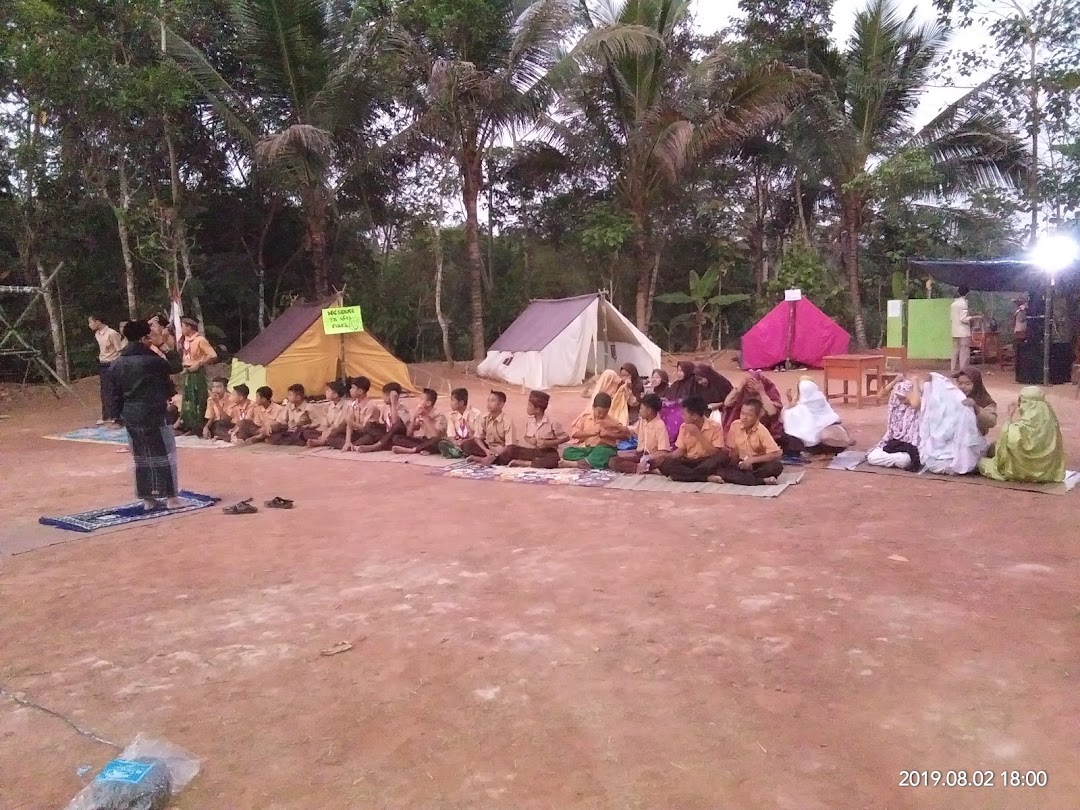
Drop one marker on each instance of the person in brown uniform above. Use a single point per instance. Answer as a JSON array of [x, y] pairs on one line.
[[464, 424], [755, 455], [425, 430], [595, 434], [267, 419], [699, 449], [296, 415], [217, 406], [362, 412], [238, 409], [109, 344], [653, 443], [496, 432], [539, 447], [333, 422], [395, 422], [197, 354]]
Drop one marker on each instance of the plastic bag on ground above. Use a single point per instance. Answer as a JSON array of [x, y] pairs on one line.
[[146, 776]]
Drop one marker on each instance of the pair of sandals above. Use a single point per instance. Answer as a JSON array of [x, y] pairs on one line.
[[246, 507]]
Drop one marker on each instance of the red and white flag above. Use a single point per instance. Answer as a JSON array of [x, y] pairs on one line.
[[175, 314]]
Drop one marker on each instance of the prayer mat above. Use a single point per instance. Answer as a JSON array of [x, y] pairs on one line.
[[855, 461], [660, 483], [95, 519], [527, 475], [107, 434]]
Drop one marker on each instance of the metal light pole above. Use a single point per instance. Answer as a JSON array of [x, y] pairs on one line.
[[1048, 300], [1052, 254]]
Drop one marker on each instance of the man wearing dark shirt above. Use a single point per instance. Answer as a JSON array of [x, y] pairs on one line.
[[142, 387]]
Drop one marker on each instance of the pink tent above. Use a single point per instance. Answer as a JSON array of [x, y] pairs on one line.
[[796, 331]]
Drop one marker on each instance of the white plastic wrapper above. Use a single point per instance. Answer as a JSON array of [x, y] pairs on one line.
[[146, 776]]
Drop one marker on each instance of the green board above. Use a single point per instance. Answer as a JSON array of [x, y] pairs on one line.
[[929, 330], [342, 320]]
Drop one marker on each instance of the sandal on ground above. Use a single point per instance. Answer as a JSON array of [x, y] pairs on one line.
[[279, 503], [242, 508]]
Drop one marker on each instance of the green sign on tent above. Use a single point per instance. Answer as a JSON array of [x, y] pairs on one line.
[[342, 320]]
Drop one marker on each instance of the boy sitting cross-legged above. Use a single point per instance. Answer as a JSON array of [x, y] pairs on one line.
[[296, 416], [652, 440], [426, 429], [237, 409], [265, 420], [539, 447], [595, 436], [333, 422], [395, 422], [464, 424], [755, 455], [699, 449], [361, 414], [217, 403], [496, 432]]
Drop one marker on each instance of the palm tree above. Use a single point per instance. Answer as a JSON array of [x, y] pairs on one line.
[[505, 84], [308, 99], [643, 117], [859, 127]]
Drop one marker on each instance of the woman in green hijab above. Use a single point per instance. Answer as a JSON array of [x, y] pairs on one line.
[[1030, 448]]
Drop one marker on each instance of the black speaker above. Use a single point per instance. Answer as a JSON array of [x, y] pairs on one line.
[[1029, 363]]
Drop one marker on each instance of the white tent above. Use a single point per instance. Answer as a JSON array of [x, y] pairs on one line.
[[561, 341]]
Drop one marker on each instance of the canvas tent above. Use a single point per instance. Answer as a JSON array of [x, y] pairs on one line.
[[293, 348], [561, 341], [794, 330]]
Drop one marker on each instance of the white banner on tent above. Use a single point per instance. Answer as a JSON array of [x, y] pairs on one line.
[[793, 295]]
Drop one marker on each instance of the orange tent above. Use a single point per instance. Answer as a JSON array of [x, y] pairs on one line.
[[293, 348]]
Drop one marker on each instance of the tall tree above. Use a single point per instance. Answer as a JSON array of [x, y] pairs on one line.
[[305, 103], [859, 125], [1034, 75], [644, 116], [484, 73]]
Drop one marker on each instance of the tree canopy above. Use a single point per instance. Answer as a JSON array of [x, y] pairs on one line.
[[446, 161]]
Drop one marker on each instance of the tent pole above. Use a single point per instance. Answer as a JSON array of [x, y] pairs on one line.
[[341, 357], [790, 332], [1047, 304], [607, 347]]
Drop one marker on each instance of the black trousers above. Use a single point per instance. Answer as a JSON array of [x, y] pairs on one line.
[[753, 477], [689, 470], [108, 394]]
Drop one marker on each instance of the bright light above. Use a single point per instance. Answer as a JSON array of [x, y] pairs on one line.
[[1055, 253]]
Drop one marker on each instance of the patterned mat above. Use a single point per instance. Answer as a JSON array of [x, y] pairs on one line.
[[106, 434], [855, 461], [109, 518], [527, 475]]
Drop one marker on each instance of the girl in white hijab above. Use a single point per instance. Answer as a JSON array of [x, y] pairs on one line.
[[949, 439], [810, 420]]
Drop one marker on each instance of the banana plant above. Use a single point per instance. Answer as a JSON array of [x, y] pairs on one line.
[[707, 301]]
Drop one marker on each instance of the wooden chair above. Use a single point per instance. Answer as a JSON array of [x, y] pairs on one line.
[[896, 363]]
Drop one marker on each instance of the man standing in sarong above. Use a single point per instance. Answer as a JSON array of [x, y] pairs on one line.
[[142, 386], [197, 353]]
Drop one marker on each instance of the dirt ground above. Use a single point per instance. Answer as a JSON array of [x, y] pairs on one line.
[[539, 647]]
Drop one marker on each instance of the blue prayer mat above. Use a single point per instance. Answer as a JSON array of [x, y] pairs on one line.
[[95, 519]]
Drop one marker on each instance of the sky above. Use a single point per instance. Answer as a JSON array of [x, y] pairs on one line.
[[713, 15]]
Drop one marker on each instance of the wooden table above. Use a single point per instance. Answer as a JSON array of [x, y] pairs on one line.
[[847, 368]]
